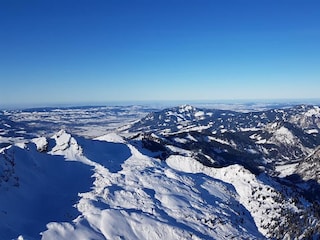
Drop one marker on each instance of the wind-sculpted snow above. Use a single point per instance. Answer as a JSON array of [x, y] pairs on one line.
[[143, 199], [149, 200]]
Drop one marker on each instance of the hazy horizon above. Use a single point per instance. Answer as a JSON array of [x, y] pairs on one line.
[[167, 103]]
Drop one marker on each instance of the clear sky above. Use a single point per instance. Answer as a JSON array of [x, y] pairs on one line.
[[54, 51]]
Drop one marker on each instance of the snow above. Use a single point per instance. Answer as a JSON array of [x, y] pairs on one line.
[[85, 121], [218, 140], [111, 137], [199, 114], [259, 138], [186, 108], [37, 194], [66, 145], [189, 128], [286, 170], [180, 140], [312, 131], [252, 151], [114, 192], [283, 135], [179, 150], [249, 129], [41, 143], [190, 137], [21, 145], [315, 111], [261, 141], [96, 184], [244, 182]]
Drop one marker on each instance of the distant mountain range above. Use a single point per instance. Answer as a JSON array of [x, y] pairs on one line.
[[176, 173], [259, 141]]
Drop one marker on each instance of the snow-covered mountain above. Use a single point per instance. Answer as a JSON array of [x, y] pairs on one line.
[[309, 168], [177, 173], [272, 137]]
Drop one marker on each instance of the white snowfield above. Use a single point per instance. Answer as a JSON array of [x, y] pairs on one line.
[[97, 189]]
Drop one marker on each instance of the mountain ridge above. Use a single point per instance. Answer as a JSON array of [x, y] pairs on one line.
[[178, 173]]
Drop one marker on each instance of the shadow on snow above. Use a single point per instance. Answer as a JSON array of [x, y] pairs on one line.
[[47, 191], [109, 154]]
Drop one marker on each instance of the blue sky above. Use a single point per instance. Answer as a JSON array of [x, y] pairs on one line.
[[54, 51]]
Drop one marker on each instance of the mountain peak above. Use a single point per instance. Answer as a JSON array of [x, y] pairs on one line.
[[65, 145], [186, 108]]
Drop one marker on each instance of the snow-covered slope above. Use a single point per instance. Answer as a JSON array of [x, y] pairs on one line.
[[309, 168], [220, 138], [144, 198], [38, 188], [271, 205]]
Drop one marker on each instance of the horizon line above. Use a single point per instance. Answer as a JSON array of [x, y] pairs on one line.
[[17, 106]]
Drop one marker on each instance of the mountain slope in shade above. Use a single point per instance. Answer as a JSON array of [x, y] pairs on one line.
[[38, 188]]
